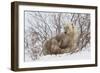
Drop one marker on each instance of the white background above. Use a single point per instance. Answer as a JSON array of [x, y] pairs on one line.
[[5, 38]]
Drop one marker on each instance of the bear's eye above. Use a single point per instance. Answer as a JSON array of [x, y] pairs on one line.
[[65, 32]]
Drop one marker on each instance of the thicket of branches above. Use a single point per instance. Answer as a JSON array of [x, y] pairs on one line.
[[40, 26]]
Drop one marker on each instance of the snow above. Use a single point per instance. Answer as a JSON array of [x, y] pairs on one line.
[[82, 55], [76, 56], [34, 23]]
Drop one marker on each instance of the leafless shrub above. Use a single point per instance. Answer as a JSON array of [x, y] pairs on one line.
[[42, 26]]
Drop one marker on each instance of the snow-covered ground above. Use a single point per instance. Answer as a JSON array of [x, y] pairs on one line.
[[84, 54]]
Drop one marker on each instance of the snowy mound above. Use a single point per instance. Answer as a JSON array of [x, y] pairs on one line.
[[84, 54]]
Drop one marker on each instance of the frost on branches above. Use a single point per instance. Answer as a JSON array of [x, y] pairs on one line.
[[56, 36]]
